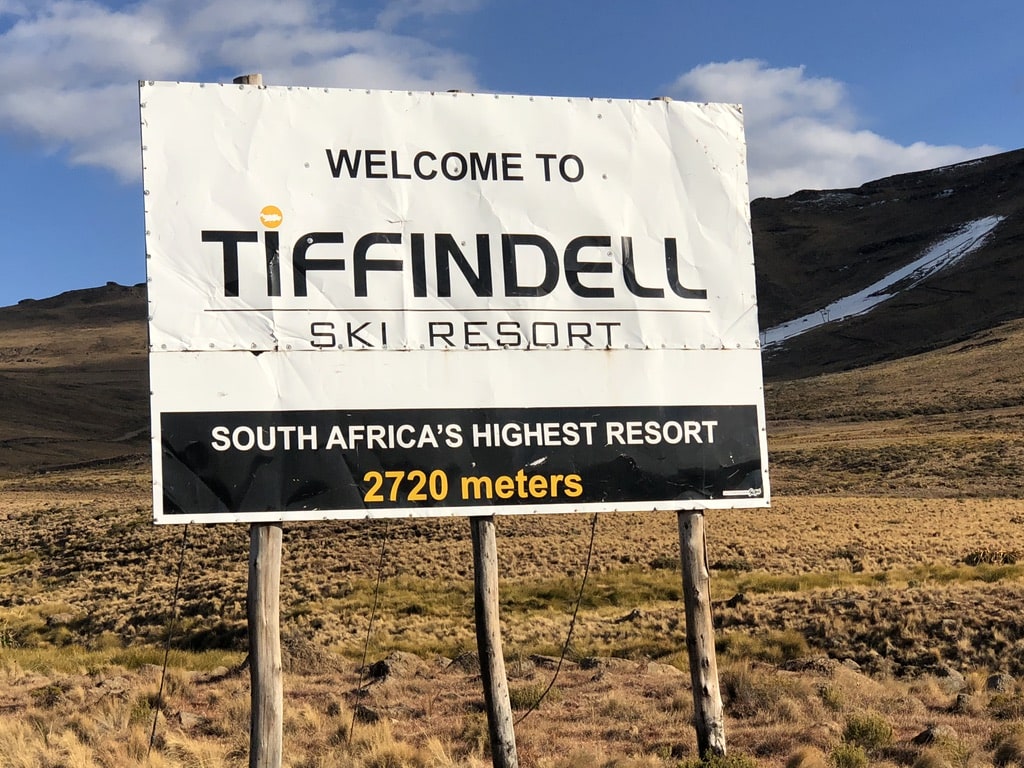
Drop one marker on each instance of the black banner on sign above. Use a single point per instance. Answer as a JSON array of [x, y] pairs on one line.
[[424, 459]]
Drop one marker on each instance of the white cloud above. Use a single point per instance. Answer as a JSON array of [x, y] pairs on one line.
[[397, 11], [71, 67], [802, 131]]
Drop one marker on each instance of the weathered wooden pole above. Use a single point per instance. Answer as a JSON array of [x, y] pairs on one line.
[[264, 609], [488, 642], [708, 713], [266, 725]]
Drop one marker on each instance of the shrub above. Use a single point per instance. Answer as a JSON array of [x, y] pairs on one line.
[[529, 695], [806, 757], [931, 758], [1009, 749], [831, 697], [870, 731], [992, 556], [720, 761], [849, 756], [1005, 706], [747, 693], [774, 647]]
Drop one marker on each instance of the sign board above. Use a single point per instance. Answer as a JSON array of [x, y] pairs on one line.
[[374, 304]]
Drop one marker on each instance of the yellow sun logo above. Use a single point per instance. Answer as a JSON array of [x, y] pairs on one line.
[[271, 216]]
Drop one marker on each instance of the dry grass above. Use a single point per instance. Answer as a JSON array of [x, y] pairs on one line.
[[901, 587], [889, 565]]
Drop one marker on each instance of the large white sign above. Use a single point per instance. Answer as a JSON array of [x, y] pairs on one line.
[[368, 304]]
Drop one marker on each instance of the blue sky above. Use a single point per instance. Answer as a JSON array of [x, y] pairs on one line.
[[834, 94]]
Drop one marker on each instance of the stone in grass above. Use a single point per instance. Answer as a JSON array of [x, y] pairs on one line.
[[935, 733], [301, 656], [1000, 683], [610, 663], [397, 664], [468, 662], [949, 679], [663, 670], [964, 704], [365, 714], [550, 662], [190, 720]]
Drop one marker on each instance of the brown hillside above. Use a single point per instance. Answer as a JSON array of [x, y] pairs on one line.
[[74, 379], [814, 247]]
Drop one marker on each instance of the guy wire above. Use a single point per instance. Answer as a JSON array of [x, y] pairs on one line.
[[572, 624], [369, 627], [170, 637]]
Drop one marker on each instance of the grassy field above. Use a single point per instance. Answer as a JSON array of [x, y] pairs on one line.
[[862, 620]]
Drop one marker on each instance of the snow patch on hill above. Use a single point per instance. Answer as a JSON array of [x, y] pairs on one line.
[[942, 255]]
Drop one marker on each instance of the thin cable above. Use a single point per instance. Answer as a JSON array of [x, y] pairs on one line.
[[369, 627], [572, 624], [170, 637]]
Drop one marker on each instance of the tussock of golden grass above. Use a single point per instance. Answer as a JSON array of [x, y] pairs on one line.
[[807, 757], [1009, 748]]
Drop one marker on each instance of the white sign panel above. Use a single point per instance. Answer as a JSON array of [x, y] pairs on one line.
[[369, 304]]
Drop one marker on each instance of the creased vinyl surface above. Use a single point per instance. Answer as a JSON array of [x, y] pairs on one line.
[[314, 253]]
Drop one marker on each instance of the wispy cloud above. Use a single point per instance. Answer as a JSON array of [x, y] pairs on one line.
[[70, 67], [802, 131], [397, 11]]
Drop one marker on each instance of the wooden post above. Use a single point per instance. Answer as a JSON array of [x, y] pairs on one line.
[[708, 713], [266, 725], [267, 690], [488, 641]]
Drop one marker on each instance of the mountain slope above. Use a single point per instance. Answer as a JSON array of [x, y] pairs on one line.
[[813, 248], [73, 379]]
